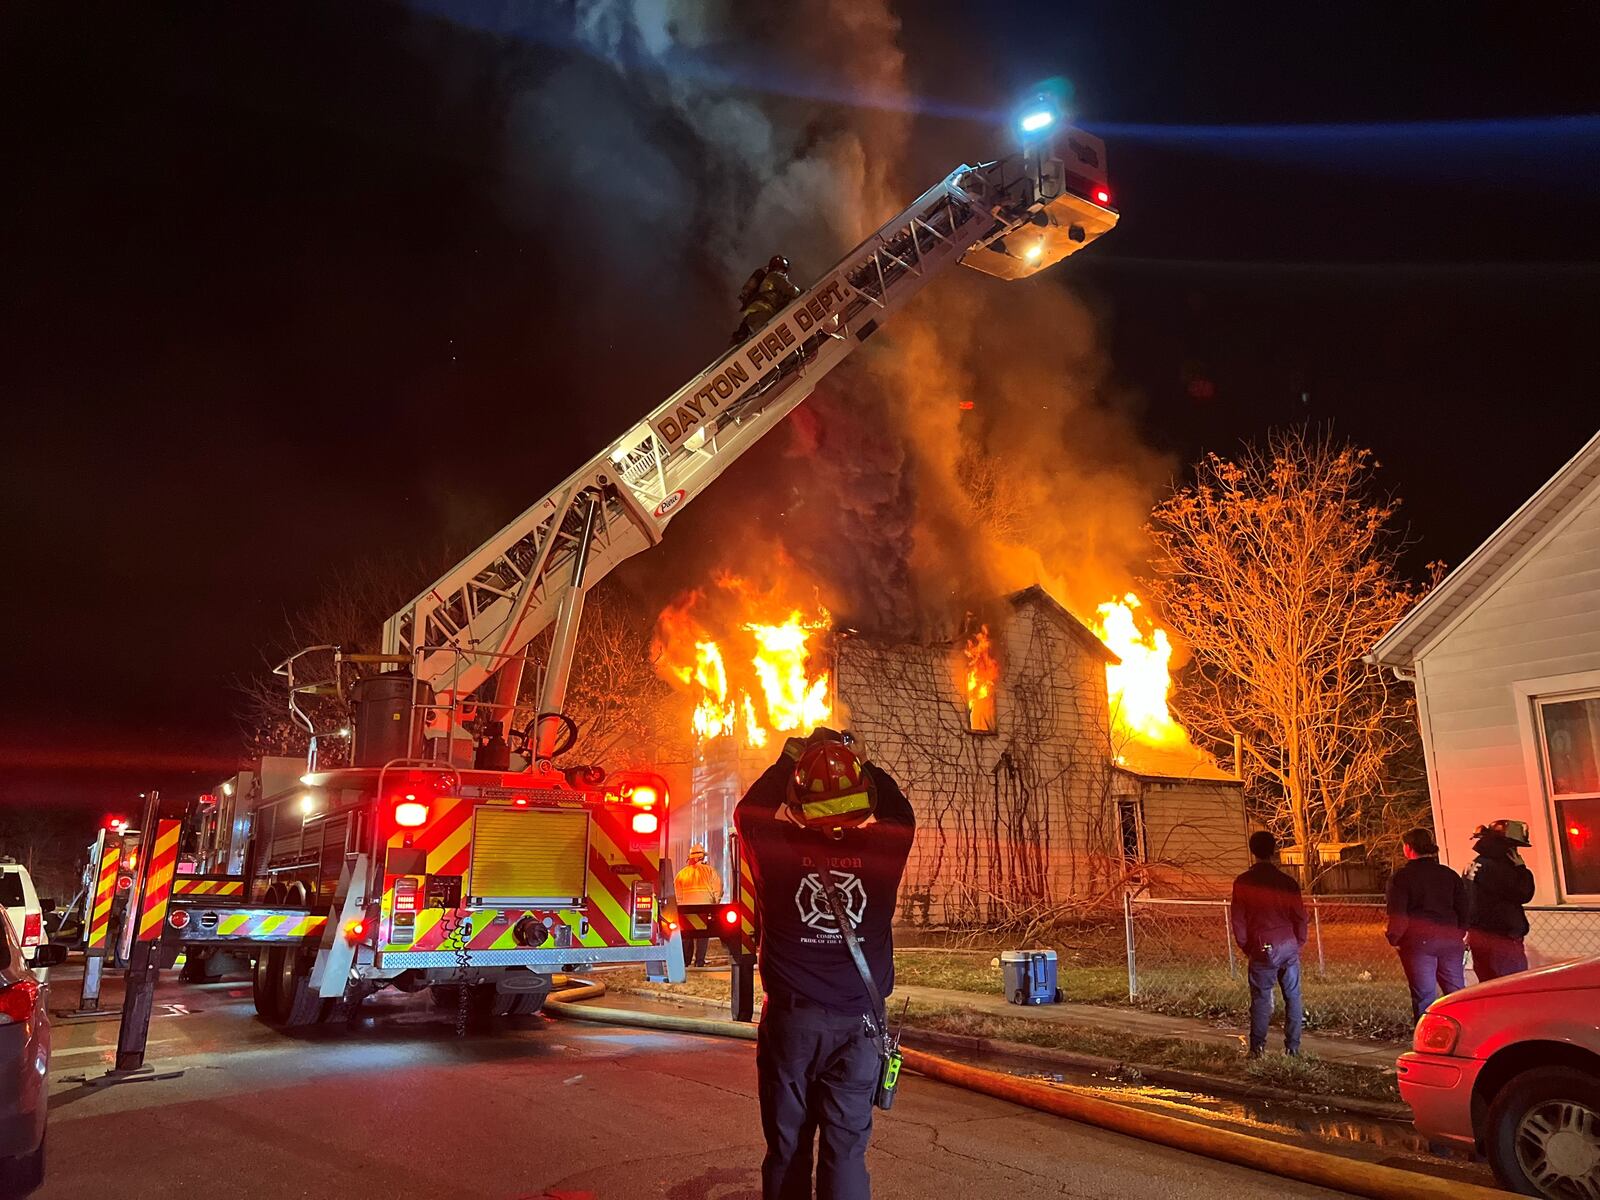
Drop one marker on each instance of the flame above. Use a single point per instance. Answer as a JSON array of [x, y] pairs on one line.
[[713, 714], [793, 700], [758, 678], [982, 672], [1138, 687]]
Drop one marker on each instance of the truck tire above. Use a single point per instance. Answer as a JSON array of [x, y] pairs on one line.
[[264, 983], [298, 1005], [1542, 1134], [525, 1004]]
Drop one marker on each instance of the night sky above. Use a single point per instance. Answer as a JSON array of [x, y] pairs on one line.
[[289, 286]]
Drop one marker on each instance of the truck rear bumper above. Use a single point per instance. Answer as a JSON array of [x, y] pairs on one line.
[[552, 959]]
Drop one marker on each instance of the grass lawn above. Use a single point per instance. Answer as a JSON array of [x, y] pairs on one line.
[[1343, 1002]]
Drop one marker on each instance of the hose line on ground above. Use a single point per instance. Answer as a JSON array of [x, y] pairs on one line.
[[1274, 1158]]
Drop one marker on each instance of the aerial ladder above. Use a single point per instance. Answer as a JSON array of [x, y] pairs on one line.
[[472, 627], [430, 859]]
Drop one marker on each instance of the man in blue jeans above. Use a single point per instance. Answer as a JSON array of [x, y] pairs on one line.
[[1269, 925], [1427, 904]]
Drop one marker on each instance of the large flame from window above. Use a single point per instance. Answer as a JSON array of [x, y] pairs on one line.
[[1138, 686], [759, 675]]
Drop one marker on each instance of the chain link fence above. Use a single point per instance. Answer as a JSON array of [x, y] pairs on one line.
[[1181, 959]]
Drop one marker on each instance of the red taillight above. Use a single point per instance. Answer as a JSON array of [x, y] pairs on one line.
[[409, 814], [32, 929], [1101, 196], [124, 882], [672, 927], [178, 918], [730, 916], [645, 796], [17, 1001], [646, 822], [356, 931]]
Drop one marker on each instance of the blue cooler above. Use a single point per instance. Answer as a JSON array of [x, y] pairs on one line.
[[1030, 976]]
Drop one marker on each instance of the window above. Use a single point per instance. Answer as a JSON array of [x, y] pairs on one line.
[[1132, 828], [1569, 729], [11, 893]]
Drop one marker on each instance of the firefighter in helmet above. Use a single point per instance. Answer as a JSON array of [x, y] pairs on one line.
[[698, 883], [1498, 885], [764, 295], [827, 832]]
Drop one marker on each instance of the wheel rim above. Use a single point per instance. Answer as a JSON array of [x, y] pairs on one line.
[[1558, 1149]]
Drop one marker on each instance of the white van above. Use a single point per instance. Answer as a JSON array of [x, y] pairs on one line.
[[21, 902]]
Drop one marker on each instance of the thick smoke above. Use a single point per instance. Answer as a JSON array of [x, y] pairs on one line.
[[902, 503]]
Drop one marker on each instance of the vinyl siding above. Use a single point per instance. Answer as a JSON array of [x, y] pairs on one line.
[[1541, 619]]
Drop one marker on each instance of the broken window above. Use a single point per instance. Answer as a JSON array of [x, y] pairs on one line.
[[1131, 824]]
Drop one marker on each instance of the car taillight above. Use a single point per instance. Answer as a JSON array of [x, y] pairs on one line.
[[409, 814], [17, 1002], [1436, 1034], [32, 929]]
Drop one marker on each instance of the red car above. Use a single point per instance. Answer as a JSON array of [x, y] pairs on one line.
[[1512, 1067], [24, 1059]]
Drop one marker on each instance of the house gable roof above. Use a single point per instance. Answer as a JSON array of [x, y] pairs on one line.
[[1080, 632], [1463, 587]]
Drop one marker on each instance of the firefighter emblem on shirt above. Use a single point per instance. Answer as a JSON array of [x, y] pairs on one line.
[[813, 904]]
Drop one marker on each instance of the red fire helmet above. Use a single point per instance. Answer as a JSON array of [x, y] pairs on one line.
[[829, 788]]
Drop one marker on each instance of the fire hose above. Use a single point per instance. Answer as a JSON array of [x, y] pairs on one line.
[[1274, 1158]]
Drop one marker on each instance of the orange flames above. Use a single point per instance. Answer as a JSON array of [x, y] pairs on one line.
[[982, 672], [1138, 687], [759, 679]]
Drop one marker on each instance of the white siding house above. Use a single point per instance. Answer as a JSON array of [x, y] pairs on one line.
[[1505, 655]]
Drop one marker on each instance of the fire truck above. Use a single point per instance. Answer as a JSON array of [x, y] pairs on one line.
[[449, 850]]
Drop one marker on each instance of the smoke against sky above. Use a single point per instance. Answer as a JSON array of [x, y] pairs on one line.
[[977, 446]]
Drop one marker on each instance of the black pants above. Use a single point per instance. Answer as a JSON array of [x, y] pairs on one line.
[[697, 956], [817, 1071]]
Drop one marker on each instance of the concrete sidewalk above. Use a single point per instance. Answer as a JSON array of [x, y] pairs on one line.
[[1132, 1022]]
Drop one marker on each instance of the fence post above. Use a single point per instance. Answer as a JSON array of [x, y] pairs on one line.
[[1133, 970], [1316, 916], [1227, 936]]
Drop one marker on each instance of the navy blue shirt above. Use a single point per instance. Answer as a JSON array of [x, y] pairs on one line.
[[802, 952]]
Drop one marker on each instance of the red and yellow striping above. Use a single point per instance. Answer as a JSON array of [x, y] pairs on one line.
[[203, 885], [105, 891], [158, 879]]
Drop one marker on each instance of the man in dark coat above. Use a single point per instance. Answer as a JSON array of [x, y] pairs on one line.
[[822, 808], [1498, 885], [1269, 925], [1427, 905]]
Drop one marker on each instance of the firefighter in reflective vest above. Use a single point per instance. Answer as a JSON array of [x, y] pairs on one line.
[[698, 883], [822, 807]]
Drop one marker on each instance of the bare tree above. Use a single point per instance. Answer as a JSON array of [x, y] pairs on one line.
[[627, 714], [1278, 570]]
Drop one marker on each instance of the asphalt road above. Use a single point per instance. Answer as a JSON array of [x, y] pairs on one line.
[[398, 1107]]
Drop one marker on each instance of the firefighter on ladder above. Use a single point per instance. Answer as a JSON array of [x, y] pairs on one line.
[[765, 294], [822, 807], [698, 883]]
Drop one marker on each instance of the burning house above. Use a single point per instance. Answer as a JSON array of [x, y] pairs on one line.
[[1039, 754]]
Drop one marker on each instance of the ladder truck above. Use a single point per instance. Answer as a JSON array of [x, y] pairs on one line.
[[444, 856]]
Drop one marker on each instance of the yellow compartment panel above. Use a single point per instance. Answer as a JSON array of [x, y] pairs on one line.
[[529, 854]]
